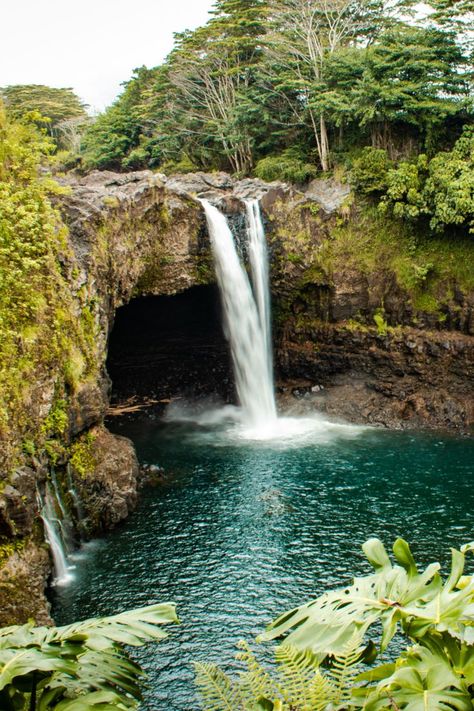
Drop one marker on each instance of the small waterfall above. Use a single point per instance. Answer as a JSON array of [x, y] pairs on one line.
[[76, 501], [53, 531], [64, 523], [247, 317]]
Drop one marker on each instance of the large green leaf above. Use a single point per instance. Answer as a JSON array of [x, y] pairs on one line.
[[82, 665], [421, 681], [393, 595], [17, 663]]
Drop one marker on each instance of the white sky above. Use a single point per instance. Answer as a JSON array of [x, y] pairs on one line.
[[89, 45]]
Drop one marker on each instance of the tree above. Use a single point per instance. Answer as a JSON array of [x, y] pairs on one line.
[[304, 37], [117, 131], [54, 105], [413, 80], [212, 71]]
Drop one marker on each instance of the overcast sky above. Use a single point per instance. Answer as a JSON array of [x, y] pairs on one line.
[[89, 45]]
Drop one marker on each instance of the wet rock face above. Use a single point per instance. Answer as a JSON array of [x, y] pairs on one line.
[[141, 234], [108, 491], [400, 380], [22, 585]]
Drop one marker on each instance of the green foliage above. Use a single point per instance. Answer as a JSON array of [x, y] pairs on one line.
[[412, 77], [183, 165], [266, 83], [53, 105], [369, 171], [82, 456], [380, 322], [287, 167], [298, 684], [436, 615], [440, 190], [115, 138], [326, 641], [79, 667], [39, 335]]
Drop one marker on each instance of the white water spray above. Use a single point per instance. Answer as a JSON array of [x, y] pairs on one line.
[[247, 317]]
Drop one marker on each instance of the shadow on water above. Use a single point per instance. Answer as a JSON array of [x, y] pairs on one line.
[[243, 529]]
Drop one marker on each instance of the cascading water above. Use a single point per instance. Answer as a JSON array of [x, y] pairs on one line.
[[247, 317], [248, 326], [52, 528], [257, 246]]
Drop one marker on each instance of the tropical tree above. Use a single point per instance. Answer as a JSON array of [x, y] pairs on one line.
[[117, 131], [78, 667], [412, 82], [212, 72], [50, 104], [304, 36]]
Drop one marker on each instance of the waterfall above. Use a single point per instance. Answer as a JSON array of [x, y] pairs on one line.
[[64, 523], [53, 531], [247, 315], [257, 246], [76, 501]]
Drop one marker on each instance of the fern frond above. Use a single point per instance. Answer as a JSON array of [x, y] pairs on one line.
[[344, 669], [255, 682], [301, 676], [218, 692]]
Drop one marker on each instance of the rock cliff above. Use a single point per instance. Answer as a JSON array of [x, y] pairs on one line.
[[366, 328]]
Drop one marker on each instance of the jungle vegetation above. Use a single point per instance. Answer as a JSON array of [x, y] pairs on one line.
[[380, 92], [284, 89], [398, 638], [327, 659]]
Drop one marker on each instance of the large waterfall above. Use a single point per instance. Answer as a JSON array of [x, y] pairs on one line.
[[247, 313]]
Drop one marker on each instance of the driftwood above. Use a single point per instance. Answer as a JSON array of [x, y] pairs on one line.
[[134, 405]]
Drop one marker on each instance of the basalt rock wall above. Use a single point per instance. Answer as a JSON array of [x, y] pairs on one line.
[[352, 337]]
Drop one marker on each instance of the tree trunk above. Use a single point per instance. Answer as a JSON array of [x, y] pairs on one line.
[[322, 140], [325, 161]]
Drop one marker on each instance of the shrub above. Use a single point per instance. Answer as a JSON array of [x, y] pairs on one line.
[[369, 171], [440, 190], [78, 667], [287, 167]]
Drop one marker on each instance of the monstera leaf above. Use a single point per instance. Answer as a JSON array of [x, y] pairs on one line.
[[420, 681], [394, 595], [79, 666]]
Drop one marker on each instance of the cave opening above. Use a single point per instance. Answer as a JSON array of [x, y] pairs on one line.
[[164, 348]]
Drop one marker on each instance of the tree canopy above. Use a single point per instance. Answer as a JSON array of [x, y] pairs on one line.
[[291, 87]]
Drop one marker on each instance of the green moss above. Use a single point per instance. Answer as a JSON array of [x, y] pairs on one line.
[[110, 201], [425, 267], [427, 303], [9, 547], [380, 322], [82, 455], [57, 420]]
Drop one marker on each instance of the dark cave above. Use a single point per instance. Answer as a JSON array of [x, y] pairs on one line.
[[163, 348]]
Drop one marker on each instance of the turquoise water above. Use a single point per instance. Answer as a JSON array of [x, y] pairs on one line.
[[245, 529]]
